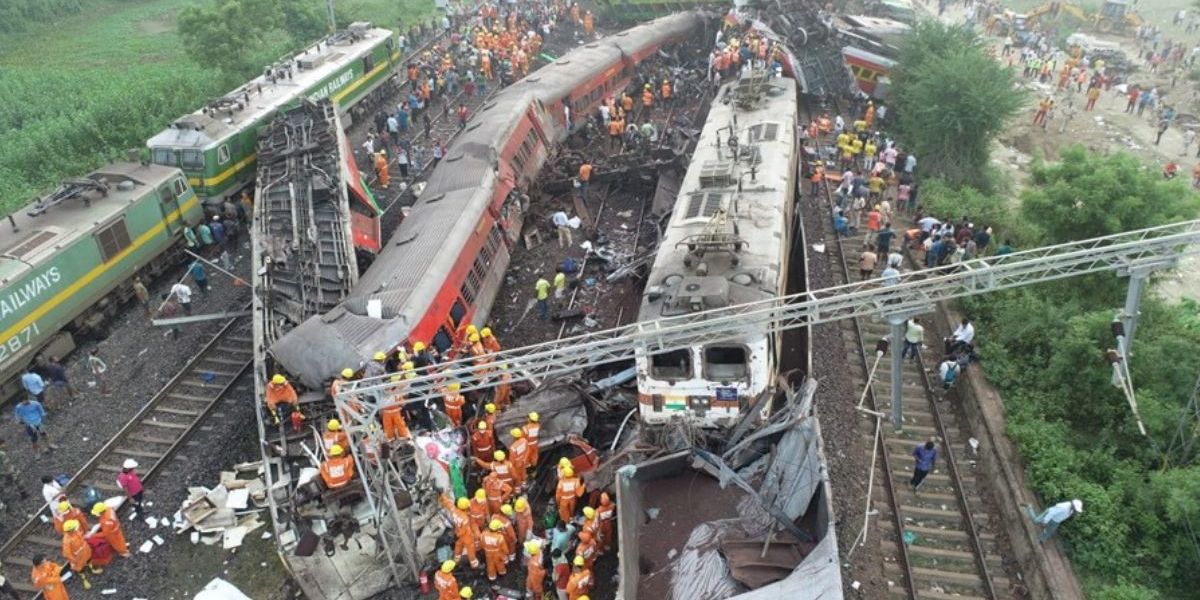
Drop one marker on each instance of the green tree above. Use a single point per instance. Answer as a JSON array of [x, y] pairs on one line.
[[231, 35], [951, 100], [304, 20]]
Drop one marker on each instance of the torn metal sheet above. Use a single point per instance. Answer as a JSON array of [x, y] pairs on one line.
[[755, 563], [560, 409]]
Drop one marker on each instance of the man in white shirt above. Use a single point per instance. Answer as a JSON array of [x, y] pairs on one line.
[[1054, 516], [562, 223], [183, 293], [962, 338]]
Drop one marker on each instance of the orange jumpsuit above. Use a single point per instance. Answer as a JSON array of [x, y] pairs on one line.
[[524, 522], [337, 471], [535, 577], [381, 168], [503, 395], [110, 530], [47, 577], [509, 532], [567, 493], [532, 429], [329, 439], [74, 513], [588, 551], [588, 24], [495, 552], [666, 92], [446, 585], [497, 492], [465, 543], [280, 393], [607, 514], [483, 444], [518, 451], [394, 425], [76, 550], [454, 402], [491, 344], [502, 468], [647, 99], [578, 583], [479, 513], [592, 526]]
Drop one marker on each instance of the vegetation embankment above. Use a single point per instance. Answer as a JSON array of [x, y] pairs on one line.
[[1043, 346]]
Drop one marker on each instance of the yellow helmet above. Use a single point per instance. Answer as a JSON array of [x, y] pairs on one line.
[[408, 366], [533, 416], [521, 503], [334, 425], [98, 509], [466, 592], [474, 337], [482, 425], [454, 387], [499, 455], [278, 379], [647, 86], [486, 332], [64, 506], [533, 547], [448, 565], [380, 356], [564, 462], [463, 504], [347, 373], [472, 330], [71, 525], [490, 408], [578, 561], [410, 375], [337, 450], [480, 494], [495, 525], [568, 472], [418, 346], [589, 512], [517, 433], [506, 509], [395, 378]]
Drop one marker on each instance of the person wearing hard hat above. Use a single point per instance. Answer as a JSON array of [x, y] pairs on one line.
[[479, 509], [591, 523], [131, 484], [568, 491], [391, 414], [422, 357], [338, 469], [532, 428], [580, 580], [351, 406], [77, 552], [498, 492], [466, 535], [502, 396], [63, 512], [524, 518], [110, 528], [1054, 516], [563, 463], [489, 415], [505, 517], [490, 343], [495, 550], [281, 398], [647, 100], [445, 582], [466, 593], [483, 442], [334, 435], [454, 402], [501, 466], [47, 578], [535, 571], [588, 548], [666, 91], [518, 453], [377, 366], [607, 513]]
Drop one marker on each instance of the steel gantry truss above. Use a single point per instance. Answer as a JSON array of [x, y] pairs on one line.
[[1133, 254]]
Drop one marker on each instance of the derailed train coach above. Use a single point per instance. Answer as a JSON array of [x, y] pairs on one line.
[[446, 260]]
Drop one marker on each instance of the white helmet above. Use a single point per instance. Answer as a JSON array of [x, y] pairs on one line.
[[129, 464], [1077, 504]]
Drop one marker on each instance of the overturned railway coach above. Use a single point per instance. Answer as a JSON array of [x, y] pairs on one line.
[[445, 262], [727, 243]]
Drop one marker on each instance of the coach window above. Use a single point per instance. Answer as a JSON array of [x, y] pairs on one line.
[[191, 159], [676, 364], [441, 340], [457, 312], [222, 154], [723, 363]]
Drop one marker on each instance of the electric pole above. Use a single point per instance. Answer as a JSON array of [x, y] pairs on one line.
[[332, 19]]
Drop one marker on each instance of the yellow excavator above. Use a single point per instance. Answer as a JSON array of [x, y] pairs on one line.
[[1114, 16]]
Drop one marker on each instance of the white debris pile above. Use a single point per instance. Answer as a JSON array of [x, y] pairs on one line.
[[227, 513]]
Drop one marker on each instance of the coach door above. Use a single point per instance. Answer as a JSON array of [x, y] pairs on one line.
[[168, 203]]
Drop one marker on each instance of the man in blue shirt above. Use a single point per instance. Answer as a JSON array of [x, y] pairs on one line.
[[30, 413], [926, 455], [35, 385], [1054, 516]]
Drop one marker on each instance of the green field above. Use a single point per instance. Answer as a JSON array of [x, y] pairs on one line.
[[84, 89]]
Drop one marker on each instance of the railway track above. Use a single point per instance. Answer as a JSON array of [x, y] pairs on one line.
[[151, 437], [944, 541]]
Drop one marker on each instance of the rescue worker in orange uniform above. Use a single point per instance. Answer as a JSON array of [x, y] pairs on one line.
[[489, 339], [489, 415], [334, 436], [589, 24], [626, 102], [445, 582], [587, 549], [77, 552], [280, 392], [524, 518], [381, 168], [501, 466], [338, 469], [666, 90], [498, 492], [454, 402], [506, 527], [502, 397], [580, 580], [591, 523], [65, 512], [647, 99], [391, 414], [466, 535], [532, 428], [466, 593], [483, 442], [495, 550], [110, 528], [567, 493], [518, 452], [479, 509], [47, 578], [335, 387], [607, 513], [535, 568]]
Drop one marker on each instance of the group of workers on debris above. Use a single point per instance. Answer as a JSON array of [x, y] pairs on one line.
[[86, 548]]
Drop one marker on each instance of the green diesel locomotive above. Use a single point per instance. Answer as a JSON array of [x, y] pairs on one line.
[[69, 260], [215, 145]]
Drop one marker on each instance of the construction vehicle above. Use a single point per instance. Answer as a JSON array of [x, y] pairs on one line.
[[1115, 16]]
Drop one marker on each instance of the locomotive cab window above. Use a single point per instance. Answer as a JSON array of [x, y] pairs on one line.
[[722, 363], [368, 63], [163, 156], [676, 364], [191, 159], [222, 154], [112, 239], [180, 187]]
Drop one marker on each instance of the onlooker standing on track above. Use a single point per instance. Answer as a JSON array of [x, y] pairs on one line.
[[99, 369], [948, 372], [866, 262], [925, 456], [56, 373], [1054, 516], [181, 292], [170, 310], [199, 276], [143, 296], [131, 483], [914, 335], [31, 414], [34, 385], [51, 490]]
